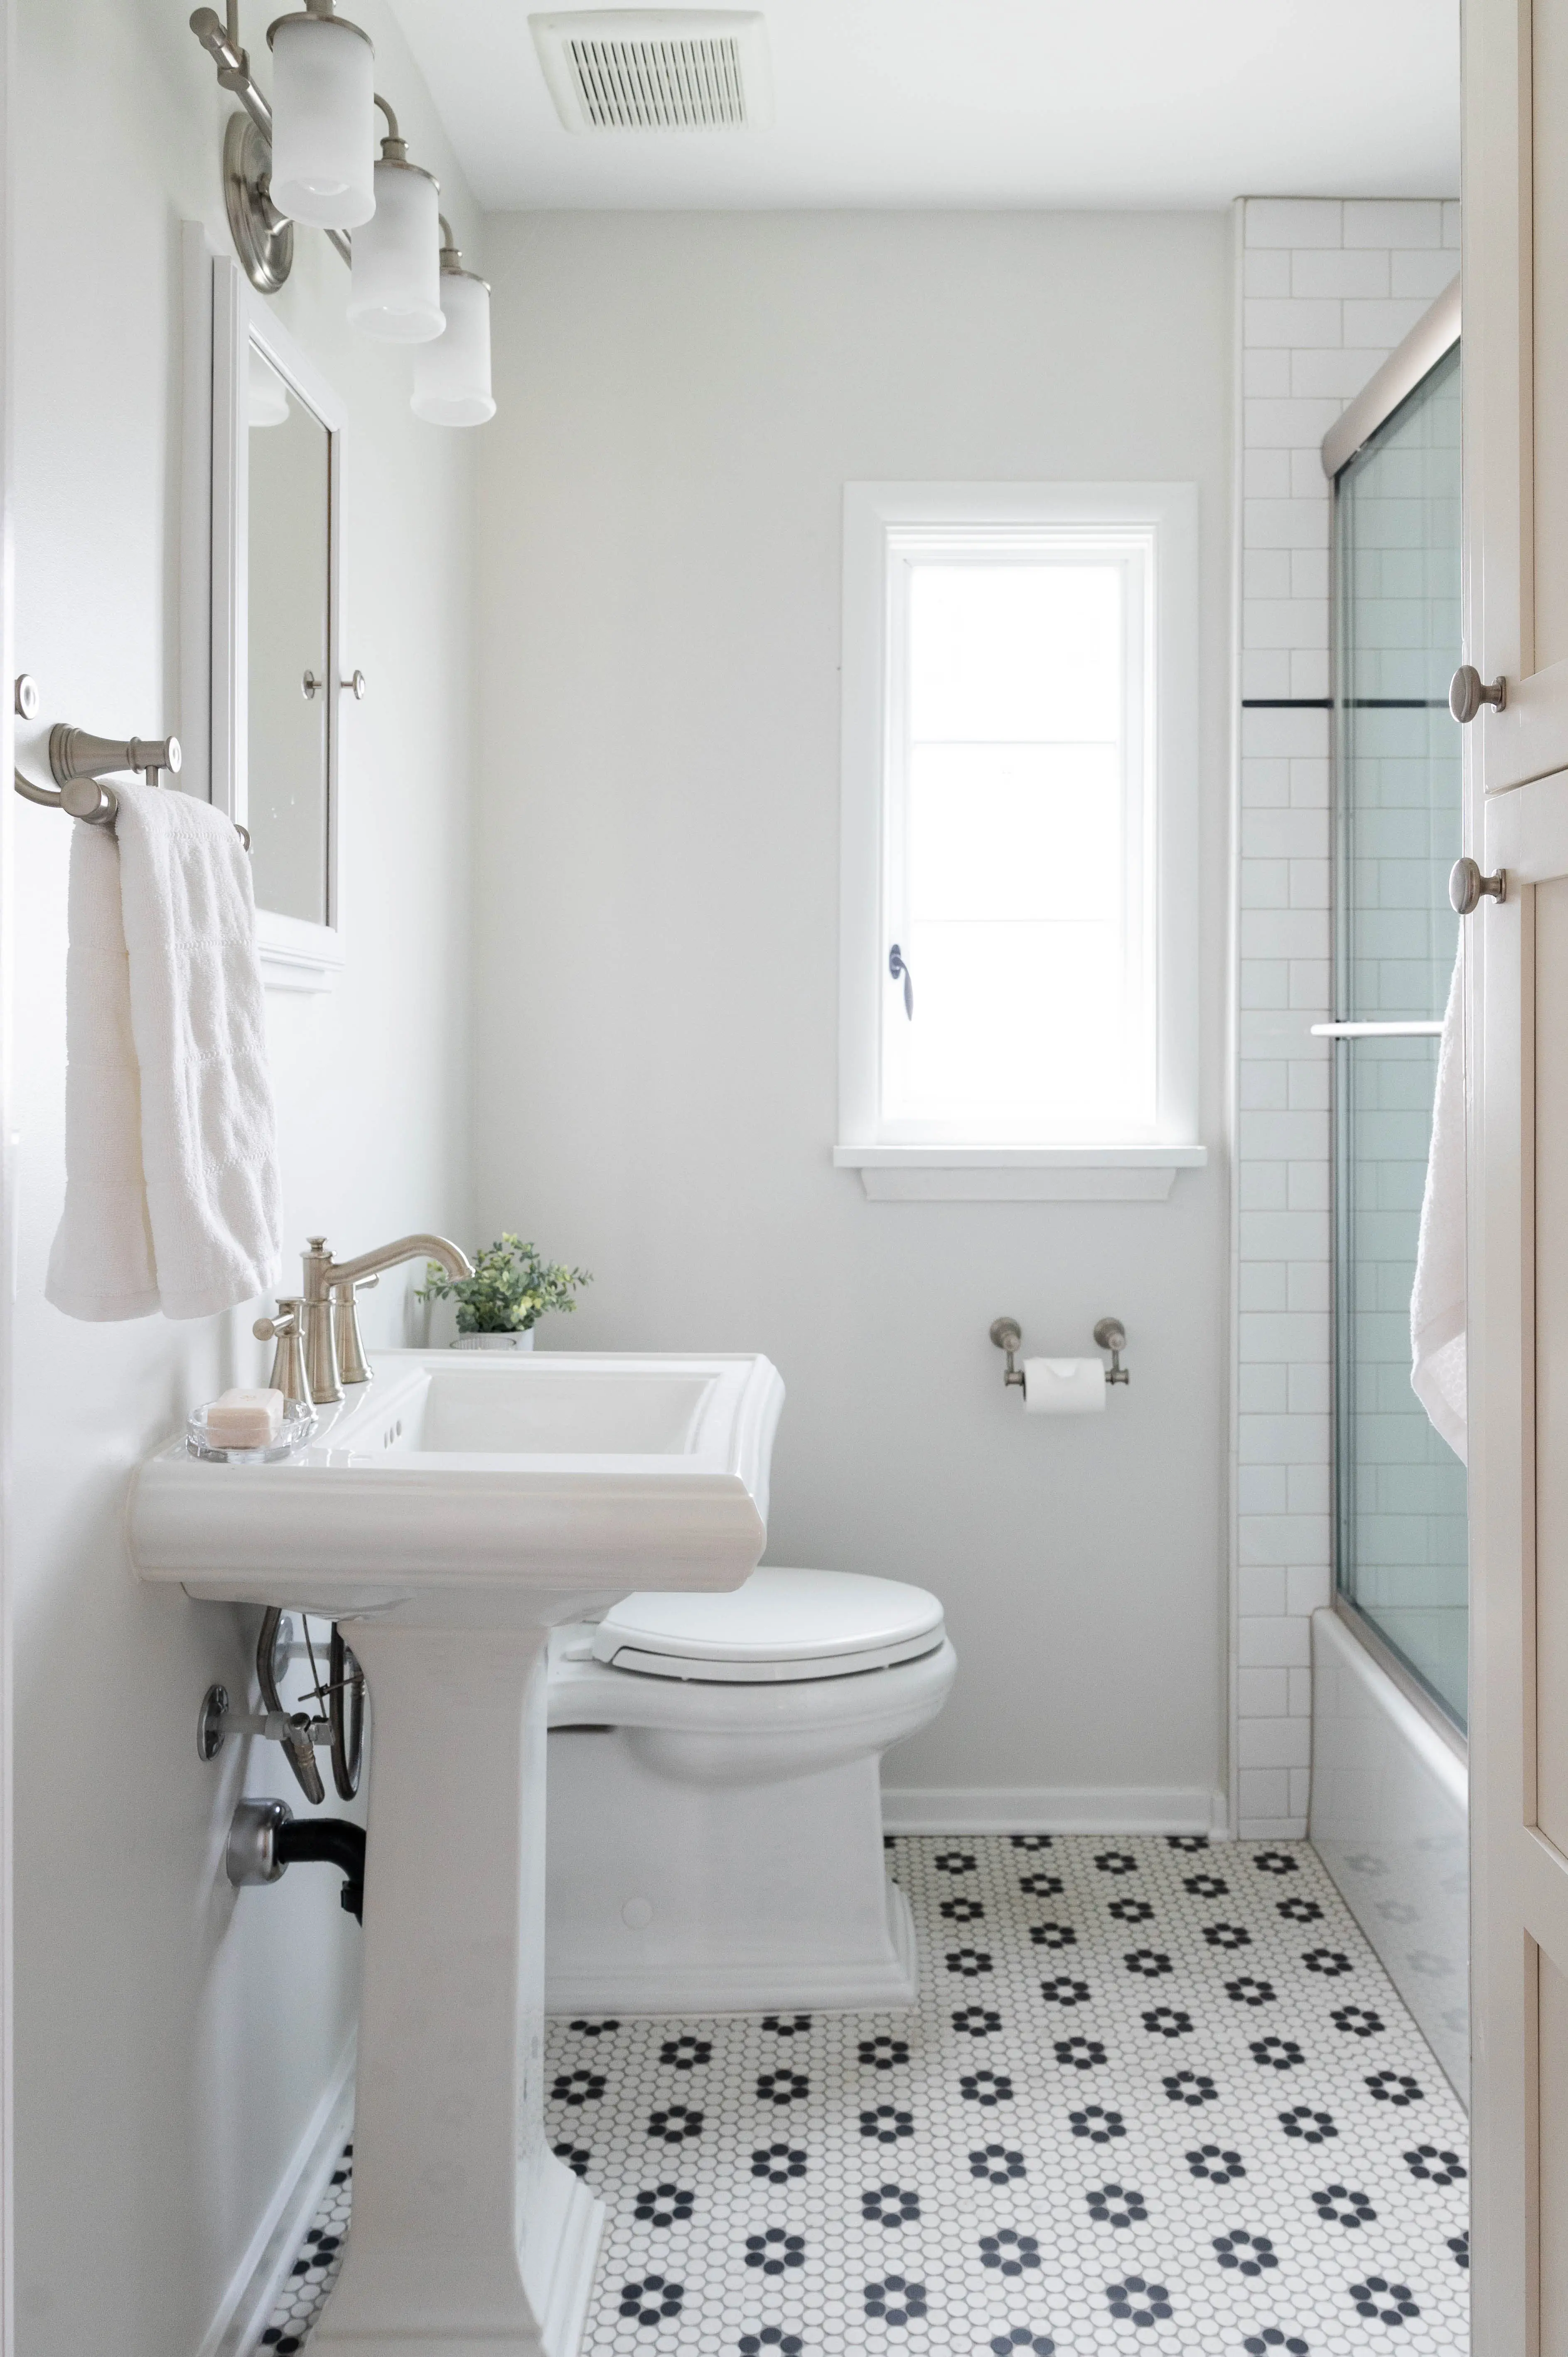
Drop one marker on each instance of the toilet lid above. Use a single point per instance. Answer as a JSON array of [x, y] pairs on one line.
[[780, 1626]]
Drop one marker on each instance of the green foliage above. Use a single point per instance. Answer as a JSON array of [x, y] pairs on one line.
[[510, 1287]]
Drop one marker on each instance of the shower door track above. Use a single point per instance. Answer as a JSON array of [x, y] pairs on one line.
[[1435, 332], [1369, 1637]]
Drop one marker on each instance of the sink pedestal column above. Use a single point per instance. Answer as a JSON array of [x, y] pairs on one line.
[[468, 2237]]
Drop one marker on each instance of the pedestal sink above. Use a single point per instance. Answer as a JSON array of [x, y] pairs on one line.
[[450, 1518]]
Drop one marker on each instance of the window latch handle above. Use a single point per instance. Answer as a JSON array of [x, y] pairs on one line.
[[897, 967]]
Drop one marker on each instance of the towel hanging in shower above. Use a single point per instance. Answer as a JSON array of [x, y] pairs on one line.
[[1437, 1309]]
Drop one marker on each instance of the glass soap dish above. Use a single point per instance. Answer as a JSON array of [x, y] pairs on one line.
[[298, 1424]]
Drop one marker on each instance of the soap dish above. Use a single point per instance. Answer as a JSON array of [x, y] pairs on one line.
[[298, 1424]]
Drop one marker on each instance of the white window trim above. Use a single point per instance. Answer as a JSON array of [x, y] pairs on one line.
[[1115, 1169]]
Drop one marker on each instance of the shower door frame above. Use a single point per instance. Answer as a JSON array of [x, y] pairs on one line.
[[1429, 342]]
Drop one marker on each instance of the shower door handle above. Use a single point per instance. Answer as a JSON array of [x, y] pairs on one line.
[[1469, 692]]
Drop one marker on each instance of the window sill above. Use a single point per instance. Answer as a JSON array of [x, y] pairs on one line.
[[1030, 1174]]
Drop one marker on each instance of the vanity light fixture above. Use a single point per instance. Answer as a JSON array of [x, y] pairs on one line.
[[452, 375], [397, 253], [324, 118], [313, 163]]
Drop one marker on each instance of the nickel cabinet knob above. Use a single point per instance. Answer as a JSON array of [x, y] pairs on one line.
[[1468, 691], [1468, 887]]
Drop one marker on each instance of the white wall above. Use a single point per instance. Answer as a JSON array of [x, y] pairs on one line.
[[683, 398], [1327, 289], [173, 2038]]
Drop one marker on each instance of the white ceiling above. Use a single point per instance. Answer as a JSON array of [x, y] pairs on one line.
[[990, 102]]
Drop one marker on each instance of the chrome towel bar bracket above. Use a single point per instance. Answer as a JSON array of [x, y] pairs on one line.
[[80, 764]]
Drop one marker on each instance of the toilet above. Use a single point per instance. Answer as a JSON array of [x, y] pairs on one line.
[[714, 1796]]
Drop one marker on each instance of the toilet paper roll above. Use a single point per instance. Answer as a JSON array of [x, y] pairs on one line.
[[1064, 1386]]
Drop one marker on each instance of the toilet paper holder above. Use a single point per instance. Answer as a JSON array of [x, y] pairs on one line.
[[1109, 1334]]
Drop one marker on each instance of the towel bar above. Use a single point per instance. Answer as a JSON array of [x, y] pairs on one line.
[[78, 761], [83, 797], [1422, 1030]]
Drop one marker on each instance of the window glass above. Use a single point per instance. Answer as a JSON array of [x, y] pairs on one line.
[[1015, 833]]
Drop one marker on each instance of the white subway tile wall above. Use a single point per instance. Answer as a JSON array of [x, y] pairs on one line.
[[1328, 289]]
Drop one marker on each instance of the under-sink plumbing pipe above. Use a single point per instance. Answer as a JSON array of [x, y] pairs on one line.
[[266, 1838]]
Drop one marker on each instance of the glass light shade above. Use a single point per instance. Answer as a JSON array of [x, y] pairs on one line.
[[396, 290], [452, 375], [323, 127], [267, 400]]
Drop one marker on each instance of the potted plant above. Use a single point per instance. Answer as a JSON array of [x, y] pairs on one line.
[[510, 1289]]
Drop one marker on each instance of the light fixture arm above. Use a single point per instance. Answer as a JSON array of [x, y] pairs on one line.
[[452, 256], [222, 42]]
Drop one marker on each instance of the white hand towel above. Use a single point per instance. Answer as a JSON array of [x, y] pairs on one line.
[[171, 1156], [1437, 1306], [102, 1261]]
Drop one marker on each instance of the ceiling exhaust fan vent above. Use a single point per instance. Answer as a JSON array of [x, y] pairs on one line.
[[656, 69]]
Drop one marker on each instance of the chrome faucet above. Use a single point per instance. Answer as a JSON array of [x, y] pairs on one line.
[[326, 1323]]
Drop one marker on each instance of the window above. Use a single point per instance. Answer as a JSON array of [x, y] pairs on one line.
[[1020, 867]]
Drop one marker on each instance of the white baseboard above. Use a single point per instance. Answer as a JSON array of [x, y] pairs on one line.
[[1043, 1809], [253, 2292]]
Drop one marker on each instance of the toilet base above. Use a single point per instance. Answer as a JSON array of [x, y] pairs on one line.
[[717, 1847], [849, 1985]]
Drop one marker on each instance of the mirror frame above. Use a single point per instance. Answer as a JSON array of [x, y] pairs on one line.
[[224, 318]]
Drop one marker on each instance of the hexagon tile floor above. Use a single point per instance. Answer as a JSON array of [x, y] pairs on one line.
[[1157, 2096]]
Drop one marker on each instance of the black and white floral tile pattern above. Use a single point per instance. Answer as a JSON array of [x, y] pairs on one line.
[[1157, 2097], [314, 2271]]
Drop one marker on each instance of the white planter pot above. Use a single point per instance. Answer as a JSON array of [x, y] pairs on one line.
[[523, 1341]]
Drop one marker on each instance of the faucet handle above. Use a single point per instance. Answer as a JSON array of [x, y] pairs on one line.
[[288, 1375]]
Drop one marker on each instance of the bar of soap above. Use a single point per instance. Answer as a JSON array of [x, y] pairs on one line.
[[243, 1419]]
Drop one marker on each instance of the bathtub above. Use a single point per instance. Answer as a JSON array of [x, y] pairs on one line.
[[1390, 1819]]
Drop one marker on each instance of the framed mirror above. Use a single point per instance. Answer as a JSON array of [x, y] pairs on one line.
[[288, 581], [263, 547]]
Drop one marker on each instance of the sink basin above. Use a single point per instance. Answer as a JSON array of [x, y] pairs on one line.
[[483, 1485], [447, 1518], [540, 1409]]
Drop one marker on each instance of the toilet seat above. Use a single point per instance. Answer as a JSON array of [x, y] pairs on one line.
[[782, 1627]]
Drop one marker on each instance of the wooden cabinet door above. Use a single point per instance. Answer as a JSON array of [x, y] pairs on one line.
[[1516, 568], [1515, 381]]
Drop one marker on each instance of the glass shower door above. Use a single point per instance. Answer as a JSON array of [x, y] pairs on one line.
[[1401, 1561]]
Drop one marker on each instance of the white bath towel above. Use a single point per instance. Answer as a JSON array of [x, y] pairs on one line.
[[1438, 1309], [171, 1156]]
